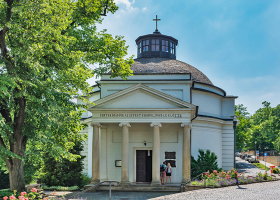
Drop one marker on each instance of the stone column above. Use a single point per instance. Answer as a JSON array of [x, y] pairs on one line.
[[125, 156], [186, 153], [156, 156], [95, 153]]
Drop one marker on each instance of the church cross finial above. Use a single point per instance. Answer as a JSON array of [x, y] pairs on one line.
[[156, 19]]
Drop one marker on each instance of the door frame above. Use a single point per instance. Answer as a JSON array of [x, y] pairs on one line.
[[134, 159]]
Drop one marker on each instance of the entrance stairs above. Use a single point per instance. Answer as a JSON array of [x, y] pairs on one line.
[[142, 188]]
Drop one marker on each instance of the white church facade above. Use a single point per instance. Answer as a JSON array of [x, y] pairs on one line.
[[166, 111]]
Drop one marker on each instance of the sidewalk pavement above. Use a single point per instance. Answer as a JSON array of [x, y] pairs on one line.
[[267, 164]]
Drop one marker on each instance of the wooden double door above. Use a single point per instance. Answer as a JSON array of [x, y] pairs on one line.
[[143, 166]]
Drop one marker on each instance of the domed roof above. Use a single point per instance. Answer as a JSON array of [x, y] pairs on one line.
[[167, 66]]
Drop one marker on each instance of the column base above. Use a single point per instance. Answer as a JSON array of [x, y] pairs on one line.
[[156, 184], [95, 182], [125, 184]]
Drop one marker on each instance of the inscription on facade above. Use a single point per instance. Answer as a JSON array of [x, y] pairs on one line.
[[131, 115]]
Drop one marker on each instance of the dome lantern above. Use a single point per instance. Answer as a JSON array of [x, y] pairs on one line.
[[156, 45]]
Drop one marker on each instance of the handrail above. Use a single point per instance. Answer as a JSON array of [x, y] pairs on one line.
[[196, 177], [94, 187]]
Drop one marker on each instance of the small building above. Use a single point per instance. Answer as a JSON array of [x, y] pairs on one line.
[[166, 111]]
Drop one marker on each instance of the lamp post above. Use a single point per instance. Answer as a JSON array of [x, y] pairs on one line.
[[255, 151], [234, 142]]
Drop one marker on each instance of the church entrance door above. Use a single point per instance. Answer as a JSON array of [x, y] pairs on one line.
[[143, 166]]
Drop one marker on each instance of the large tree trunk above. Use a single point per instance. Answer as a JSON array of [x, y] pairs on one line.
[[16, 175]]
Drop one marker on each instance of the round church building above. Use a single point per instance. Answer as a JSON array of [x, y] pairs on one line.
[[165, 112]]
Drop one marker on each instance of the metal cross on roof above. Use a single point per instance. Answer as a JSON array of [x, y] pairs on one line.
[[156, 19]]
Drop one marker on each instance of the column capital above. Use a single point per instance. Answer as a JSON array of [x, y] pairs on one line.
[[95, 124], [124, 124], [187, 125], [155, 124]]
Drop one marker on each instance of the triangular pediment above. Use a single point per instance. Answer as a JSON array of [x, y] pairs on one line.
[[141, 96]]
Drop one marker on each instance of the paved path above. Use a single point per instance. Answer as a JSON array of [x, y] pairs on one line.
[[263, 191], [248, 168]]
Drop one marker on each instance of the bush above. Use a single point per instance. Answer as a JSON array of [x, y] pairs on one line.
[[206, 161], [4, 180], [60, 188], [276, 171], [86, 180], [66, 173]]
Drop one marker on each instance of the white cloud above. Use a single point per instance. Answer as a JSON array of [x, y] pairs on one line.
[[127, 3], [144, 9]]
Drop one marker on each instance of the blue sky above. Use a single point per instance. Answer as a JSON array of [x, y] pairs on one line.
[[235, 43]]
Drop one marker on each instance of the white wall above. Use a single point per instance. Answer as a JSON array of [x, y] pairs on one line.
[[228, 146], [228, 108], [209, 104], [180, 91], [206, 135]]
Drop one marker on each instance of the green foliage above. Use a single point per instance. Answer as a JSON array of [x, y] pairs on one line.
[[47, 49], [242, 130], [65, 172], [4, 180], [86, 180], [60, 188], [263, 128], [276, 170], [8, 193], [206, 161]]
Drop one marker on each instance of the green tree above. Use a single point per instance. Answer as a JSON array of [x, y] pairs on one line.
[[243, 128], [47, 48], [206, 161], [65, 172]]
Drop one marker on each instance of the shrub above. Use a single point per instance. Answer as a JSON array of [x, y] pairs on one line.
[[4, 180], [86, 180], [276, 170], [206, 161], [60, 188], [66, 173]]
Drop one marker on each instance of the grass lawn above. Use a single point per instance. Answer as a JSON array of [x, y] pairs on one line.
[[261, 166]]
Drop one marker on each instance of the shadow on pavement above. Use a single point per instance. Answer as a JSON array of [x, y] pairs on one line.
[[238, 187]]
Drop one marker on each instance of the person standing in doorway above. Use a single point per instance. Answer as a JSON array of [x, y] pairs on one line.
[[162, 172], [168, 173]]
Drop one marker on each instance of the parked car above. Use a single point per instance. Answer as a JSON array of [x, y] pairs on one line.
[[244, 155], [248, 157], [238, 154], [253, 160]]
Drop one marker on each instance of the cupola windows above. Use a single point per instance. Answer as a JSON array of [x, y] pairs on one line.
[[145, 45], [172, 48], [139, 47], [164, 46], [155, 44]]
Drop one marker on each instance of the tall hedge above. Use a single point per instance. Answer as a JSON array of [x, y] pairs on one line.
[[64, 173]]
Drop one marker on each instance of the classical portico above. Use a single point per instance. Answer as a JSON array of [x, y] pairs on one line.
[[152, 114]]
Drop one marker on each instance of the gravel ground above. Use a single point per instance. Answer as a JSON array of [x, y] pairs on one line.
[[267, 191], [104, 195]]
